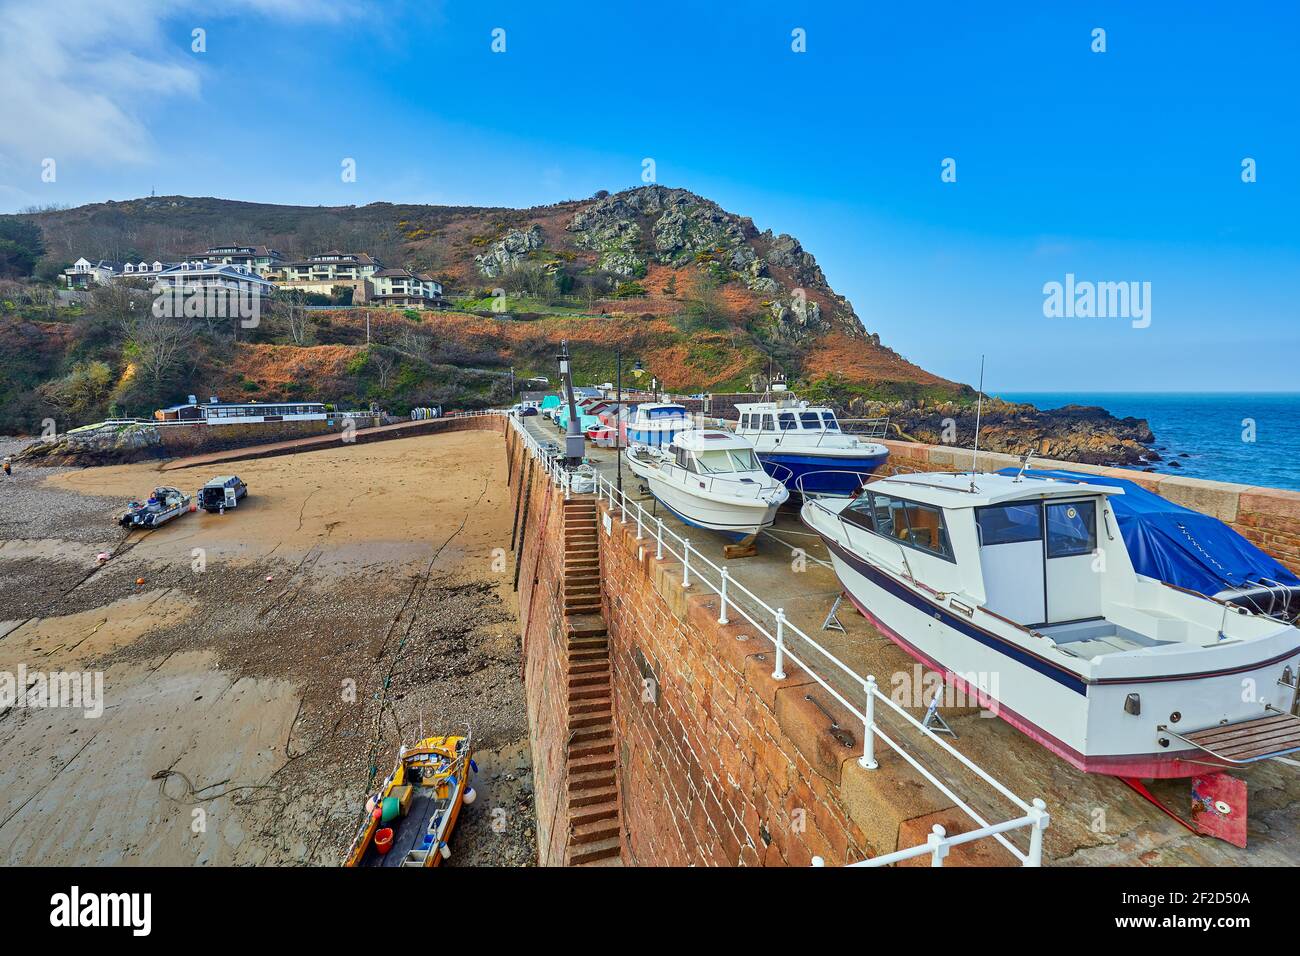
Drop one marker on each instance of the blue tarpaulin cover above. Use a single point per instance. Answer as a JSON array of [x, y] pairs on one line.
[[1178, 545]]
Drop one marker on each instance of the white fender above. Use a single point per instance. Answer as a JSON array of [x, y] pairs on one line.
[[470, 796]]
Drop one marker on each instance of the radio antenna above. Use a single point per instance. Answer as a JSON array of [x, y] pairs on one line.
[[979, 408]]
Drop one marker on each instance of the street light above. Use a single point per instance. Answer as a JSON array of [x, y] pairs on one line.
[[574, 444], [637, 372]]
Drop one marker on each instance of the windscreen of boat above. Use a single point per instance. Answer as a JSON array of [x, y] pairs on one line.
[[829, 419], [725, 461]]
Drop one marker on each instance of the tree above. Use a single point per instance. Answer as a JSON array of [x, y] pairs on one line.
[[21, 246], [81, 394], [156, 346]]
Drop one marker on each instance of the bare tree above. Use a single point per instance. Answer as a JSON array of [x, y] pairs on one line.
[[158, 344], [384, 364]]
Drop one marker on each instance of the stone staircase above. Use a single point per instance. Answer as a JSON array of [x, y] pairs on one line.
[[593, 795]]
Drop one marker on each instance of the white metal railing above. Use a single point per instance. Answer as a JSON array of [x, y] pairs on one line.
[[773, 625]]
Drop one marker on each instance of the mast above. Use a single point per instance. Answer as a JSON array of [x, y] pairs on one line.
[[979, 407]]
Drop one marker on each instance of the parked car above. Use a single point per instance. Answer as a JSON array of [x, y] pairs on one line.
[[221, 493]]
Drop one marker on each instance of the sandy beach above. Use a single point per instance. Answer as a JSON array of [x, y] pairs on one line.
[[270, 663]]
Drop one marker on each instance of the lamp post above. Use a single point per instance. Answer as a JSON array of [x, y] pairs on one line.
[[574, 443]]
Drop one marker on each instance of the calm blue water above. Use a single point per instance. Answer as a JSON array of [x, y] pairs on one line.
[[1208, 428]]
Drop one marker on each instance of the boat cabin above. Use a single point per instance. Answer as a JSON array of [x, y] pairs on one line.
[[711, 452]]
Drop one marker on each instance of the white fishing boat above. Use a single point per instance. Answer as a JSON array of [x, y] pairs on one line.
[[711, 479], [656, 424], [1022, 591], [807, 441]]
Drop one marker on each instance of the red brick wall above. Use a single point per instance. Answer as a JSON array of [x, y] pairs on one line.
[[718, 764], [539, 550]]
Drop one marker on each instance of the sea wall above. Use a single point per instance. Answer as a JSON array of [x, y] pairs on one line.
[[538, 546], [1269, 517]]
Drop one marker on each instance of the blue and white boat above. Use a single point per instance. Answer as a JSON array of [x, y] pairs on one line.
[[807, 440], [656, 424]]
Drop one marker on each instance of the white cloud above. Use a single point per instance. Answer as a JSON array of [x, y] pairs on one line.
[[80, 79]]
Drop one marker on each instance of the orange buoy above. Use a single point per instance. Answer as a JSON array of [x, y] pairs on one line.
[[139, 582], [384, 840]]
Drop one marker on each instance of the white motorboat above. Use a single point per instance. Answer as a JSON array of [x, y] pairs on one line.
[[1021, 590], [711, 479], [808, 441], [656, 424]]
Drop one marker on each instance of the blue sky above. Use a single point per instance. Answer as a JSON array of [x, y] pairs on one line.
[[1115, 166]]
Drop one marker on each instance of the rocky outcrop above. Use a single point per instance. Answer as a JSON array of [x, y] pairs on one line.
[[1079, 433], [505, 256], [104, 445]]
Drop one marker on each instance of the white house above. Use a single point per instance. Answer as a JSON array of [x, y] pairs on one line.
[[260, 259], [402, 287], [84, 273]]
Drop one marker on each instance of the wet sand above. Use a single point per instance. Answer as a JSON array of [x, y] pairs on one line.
[[272, 660]]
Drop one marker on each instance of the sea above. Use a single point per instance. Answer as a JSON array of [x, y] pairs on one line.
[[1249, 437]]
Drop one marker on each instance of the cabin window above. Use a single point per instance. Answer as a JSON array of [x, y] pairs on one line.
[[682, 458], [810, 420], [918, 525], [859, 512], [829, 419], [787, 421], [1009, 524], [1071, 528]]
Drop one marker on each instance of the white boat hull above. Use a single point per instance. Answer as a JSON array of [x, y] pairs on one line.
[[1083, 720]]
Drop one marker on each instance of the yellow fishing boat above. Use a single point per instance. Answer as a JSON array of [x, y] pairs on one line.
[[409, 821]]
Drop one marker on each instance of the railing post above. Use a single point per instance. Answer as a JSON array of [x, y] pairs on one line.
[[659, 547], [1041, 820], [639, 512], [778, 673], [722, 615], [622, 507], [938, 845], [868, 759], [686, 562]]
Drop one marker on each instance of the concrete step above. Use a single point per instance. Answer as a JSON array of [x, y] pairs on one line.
[[595, 716], [599, 762], [598, 692], [581, 607], [594, 798], [594, 832], [587, 625], [593, 667], [590, 853], [597, 642], [595, 748], [591, 781], [590, 734], [589, 657], [588, 680], [588, 586], [603, 861]]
